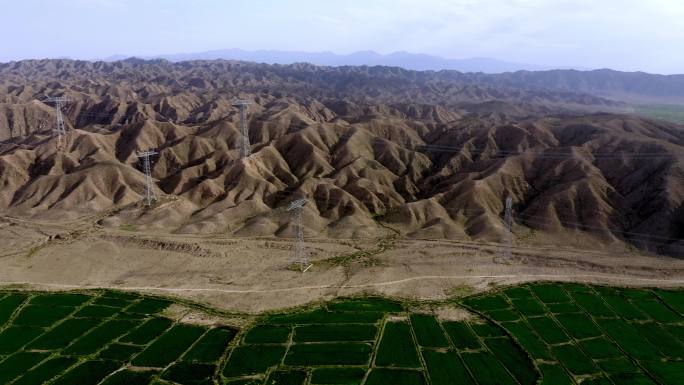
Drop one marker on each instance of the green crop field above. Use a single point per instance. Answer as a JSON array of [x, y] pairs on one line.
[[102, 337], [670, 112], [534, 334]]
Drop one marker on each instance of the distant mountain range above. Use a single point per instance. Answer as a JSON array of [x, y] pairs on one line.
[[411, 61], [630, 87]]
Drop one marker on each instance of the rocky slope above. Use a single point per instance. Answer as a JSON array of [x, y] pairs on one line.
[[371, 148]]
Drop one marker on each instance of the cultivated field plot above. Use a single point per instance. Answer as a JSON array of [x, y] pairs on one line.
[[102, 338], [374, 341], [544, 334], [548, 334], [591, 334]]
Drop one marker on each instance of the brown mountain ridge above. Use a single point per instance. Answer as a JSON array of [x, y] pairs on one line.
[[371, 148]]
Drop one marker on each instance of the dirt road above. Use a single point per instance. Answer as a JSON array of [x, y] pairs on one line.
[[254, 274]]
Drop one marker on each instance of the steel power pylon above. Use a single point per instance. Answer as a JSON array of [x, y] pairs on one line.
[[508, 231], [150, 196], [61, 130], [245, 150], [300, 254]]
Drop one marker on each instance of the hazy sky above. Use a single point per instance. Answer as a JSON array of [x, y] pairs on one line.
[[643, 35]]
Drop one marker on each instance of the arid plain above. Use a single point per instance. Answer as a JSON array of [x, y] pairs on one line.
[[406, 174]]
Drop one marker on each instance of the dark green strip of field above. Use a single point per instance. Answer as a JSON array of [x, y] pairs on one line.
[[550, 293], [527, 339], [8, 305], [339, 375], [120, 352], [428, 331], [211, 346], [384, 376], [287, 377], [45, 371], [329, 354], [87, 373], [130, 377], [41, 316], [335, 332], [264, 334], [190, 373], [593, 304], [98, 337], [579, 326], [461, 335], [528, 306], [514, 359], [147, 331], [503, 315], [169, 346], [487, 369], [14, 365], [517, 292], [554, 375], [95, 311], [445, 367], [396, 347], [148, 306], [549, 330], [14, 338], [487, 330], [253, 359], [63, 335], [674, 299]]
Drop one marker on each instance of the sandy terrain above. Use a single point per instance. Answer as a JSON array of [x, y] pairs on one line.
[[253, 274]]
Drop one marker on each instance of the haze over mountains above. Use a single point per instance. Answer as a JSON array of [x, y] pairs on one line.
[[632, 87], [428, 154], [406, 60]]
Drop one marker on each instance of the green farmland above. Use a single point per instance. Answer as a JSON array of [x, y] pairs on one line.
[[544, 334], [671, 112]]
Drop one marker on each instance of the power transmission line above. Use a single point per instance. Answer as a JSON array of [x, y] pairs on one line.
[[150, 196], [245, 150], [590, 229], [301, 257], [60, 130], [543, 153], [548, 153], [508, 231], [473, 242], [519, 216]]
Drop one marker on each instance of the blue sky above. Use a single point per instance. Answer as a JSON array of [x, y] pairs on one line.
[[629, 35]]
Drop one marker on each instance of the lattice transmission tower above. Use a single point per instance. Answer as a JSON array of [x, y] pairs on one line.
[[508, 231], [301, 257], [150, 196], [245, 150], [61, 129]]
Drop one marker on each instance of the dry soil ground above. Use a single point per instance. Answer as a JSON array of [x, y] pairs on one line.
[[255, 274]]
